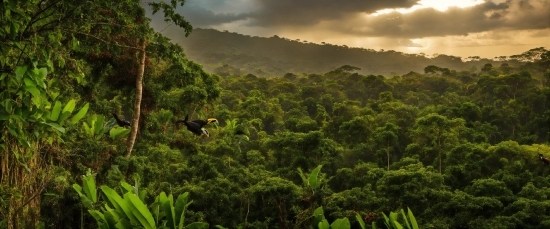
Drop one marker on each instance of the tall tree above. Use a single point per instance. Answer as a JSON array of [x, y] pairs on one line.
[[437, 131], [34, 114], [386, 137], [39, 37]]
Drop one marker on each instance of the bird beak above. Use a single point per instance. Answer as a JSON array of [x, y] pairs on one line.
[[213, 121]]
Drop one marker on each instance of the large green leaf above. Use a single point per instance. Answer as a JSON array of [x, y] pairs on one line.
[[313, 177], [85, 200], [140, 211], [80, 114], [112, 217], [318, 215], [115, 201], [324, 224], [197, 225], [33, 90], [342, 223], [56, 126], [67, 111], [386, 220], [98, 127], [397, 225], [98, 216], [123, 224], [7, 105], [29, 82], [55, 111], [19, 72], [393, 219], [181, 204], [69, 107], [167, 203], [118, 133], [90, 187], [405, 219], [64, 115], [39, 74], [127, 186], [361, 222], [304, 179], [412, 219], [87, 129]]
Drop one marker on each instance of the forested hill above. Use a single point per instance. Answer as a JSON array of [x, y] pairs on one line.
[[232, 53]]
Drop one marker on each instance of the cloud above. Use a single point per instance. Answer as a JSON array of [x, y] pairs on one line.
[[494, 27], [201, 17], [510, 15], [277, 13], [310, 12], [355, 17]]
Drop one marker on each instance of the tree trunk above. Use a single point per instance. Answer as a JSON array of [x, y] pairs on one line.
[[137, 100], [25, 181], [439, 150], [388, 153]]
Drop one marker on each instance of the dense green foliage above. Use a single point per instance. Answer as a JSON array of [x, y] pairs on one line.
[[459, 148]]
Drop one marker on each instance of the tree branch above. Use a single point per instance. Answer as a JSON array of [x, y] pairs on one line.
[[33, 18], [104, 41]]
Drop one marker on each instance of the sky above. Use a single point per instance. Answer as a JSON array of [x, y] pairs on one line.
[[485, 28]]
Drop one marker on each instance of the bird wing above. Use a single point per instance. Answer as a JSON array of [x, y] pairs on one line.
[[116, 117], [201, 123], [193, 127], [120, 122]]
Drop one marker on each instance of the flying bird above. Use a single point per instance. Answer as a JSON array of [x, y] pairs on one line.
[[196, 126], [121, 122], [545, 161], [205, 122]]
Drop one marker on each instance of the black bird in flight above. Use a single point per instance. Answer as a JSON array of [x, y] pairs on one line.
[[121, 122], [195, 126], [545, 161]]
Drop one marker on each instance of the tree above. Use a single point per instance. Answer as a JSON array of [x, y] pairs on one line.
[[487, 67], [437, 131], [386, 136], [34, 114], [170, 15]]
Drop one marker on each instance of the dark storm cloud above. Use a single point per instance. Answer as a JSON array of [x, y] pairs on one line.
[[201, 17], [511, 15], [354, 18], [309, 12], [277, 13]]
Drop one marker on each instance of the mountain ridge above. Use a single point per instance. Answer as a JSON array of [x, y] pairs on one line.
[[225, 53]]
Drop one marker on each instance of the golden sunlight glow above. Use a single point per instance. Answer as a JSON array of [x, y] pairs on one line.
[[440, 5], [419, 44]]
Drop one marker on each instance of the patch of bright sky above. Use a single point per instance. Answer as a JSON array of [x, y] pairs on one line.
[[440, 5]]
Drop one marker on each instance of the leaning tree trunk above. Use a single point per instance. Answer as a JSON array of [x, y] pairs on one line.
[[137, 100]]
